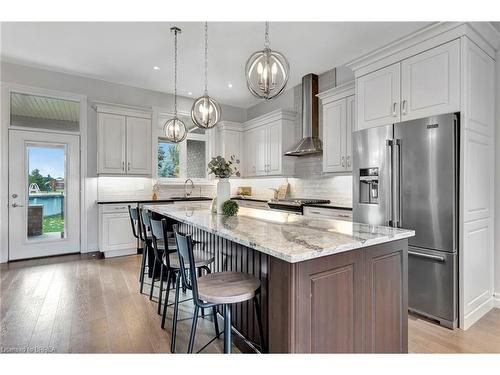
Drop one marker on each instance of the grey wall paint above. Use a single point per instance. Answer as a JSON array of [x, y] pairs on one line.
[[97, 90], [497, 179]]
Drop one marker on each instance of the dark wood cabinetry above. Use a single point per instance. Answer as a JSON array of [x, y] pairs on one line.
[[352, 302]]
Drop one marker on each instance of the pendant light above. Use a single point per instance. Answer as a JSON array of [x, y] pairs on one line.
[[267, 71], [174, 129], [205, 112]]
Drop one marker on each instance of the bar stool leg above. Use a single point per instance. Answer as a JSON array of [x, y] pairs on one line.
[[176, 307], [143, 267], [152, 281], [227, 329], [216, 323], [164, 315], [259, 324], [193, 329], [160, 293]]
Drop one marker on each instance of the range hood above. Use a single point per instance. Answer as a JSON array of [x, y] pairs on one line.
[[310, 142]]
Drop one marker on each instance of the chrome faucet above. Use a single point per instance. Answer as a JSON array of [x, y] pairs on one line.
[[186, 194]]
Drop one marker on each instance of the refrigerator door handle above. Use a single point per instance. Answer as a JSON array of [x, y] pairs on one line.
[[427, 256], [398, 168], [390, 150]]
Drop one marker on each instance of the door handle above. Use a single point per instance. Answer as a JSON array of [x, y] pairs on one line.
[[390, 146], [427, 256], [17, 205], [399, 222], [394, 109]]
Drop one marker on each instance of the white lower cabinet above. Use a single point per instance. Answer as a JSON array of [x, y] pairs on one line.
[[115, 231]]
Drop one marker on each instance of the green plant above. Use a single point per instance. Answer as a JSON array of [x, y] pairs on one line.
[[230, 208], [223, 168]]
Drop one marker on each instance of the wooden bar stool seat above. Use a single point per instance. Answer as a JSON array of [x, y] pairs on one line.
[[227, 287], [201, 259]]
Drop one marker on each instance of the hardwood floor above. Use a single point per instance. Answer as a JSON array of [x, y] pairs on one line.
[[80, 304], [68, 304]]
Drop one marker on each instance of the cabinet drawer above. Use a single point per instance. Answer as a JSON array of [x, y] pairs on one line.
[[116, 208], [252, 204], [328, 213]]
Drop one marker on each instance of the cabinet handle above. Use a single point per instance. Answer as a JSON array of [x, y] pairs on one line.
[[128, 166], [348, 160], [394, 106], [404, 107], [343, 161], [123, 166]]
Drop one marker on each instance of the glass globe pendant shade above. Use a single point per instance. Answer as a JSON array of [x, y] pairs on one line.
[[205, 112], [267, 73], [175, 130]]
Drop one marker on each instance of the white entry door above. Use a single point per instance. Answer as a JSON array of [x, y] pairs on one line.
[[44, 194]]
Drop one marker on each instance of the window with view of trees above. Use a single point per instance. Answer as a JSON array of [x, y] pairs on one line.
[[168, 159]]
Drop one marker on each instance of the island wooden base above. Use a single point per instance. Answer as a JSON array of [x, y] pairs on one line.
[[352, 302]]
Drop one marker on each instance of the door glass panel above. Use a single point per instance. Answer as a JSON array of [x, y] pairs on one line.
[[46, 192]]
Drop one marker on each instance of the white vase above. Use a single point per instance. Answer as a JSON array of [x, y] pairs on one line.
[[223, 193]]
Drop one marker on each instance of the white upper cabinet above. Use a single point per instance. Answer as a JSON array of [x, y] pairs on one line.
[[138, 145], [378, 96], [266, 139], [230, 142], [423, 85], [111, 140], [430, 82], [338, 120], [123, 142]]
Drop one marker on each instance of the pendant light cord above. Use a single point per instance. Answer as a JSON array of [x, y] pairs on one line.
[[267, 35], [175, 73], [206, 58]]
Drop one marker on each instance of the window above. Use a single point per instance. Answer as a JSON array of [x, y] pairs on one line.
[[168, 159], [188, 159]]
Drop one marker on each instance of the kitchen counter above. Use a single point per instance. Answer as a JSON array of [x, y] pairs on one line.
[[146, 200], [327, 286], [289, 237], [333, 206]]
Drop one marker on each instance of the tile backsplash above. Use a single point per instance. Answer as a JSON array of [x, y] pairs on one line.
[[338, 189]]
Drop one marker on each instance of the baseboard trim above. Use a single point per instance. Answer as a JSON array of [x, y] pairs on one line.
[[496, 298], [478, 313], [91, 248], [119, 253]]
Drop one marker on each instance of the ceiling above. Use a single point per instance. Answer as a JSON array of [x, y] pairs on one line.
[[126, 52], [41, 107]]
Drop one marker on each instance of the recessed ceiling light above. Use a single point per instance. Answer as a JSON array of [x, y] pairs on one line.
[[156, 68], [230, 85], [190, 93]]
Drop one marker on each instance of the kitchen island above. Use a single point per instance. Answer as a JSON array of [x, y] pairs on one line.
[[328, 286]]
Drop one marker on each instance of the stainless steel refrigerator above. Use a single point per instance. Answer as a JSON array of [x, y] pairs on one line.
[[406, 175]]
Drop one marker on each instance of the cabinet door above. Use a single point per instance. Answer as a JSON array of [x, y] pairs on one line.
[[275, 152], [261, 135], [116, 233], [334, 136], [138, 146], [111, 140], [378, 95], [250, 152], [431, 82], [350, 126]]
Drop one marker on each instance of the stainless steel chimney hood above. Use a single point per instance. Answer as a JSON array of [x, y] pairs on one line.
[[310, 142]]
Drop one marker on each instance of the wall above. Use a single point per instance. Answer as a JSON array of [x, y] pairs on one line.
[[97, 90], [497, 183]]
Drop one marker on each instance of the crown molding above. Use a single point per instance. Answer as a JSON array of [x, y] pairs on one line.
[[336, 93], [279, 114]]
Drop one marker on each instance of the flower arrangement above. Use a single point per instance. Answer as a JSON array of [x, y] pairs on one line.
[[222, 168], [230, 208]]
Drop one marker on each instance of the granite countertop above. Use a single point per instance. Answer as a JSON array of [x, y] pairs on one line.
[[292, 238], [159, 200]]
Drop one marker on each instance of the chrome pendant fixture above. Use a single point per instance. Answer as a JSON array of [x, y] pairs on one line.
[[205, 112], [267, 71], [174, 129]]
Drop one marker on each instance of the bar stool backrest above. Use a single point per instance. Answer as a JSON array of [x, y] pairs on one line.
[[159, 232], [134, 220], [186, 258]]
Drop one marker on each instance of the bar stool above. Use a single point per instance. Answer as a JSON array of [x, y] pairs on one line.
[[220, 288], [137, 232], [170, 267]]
